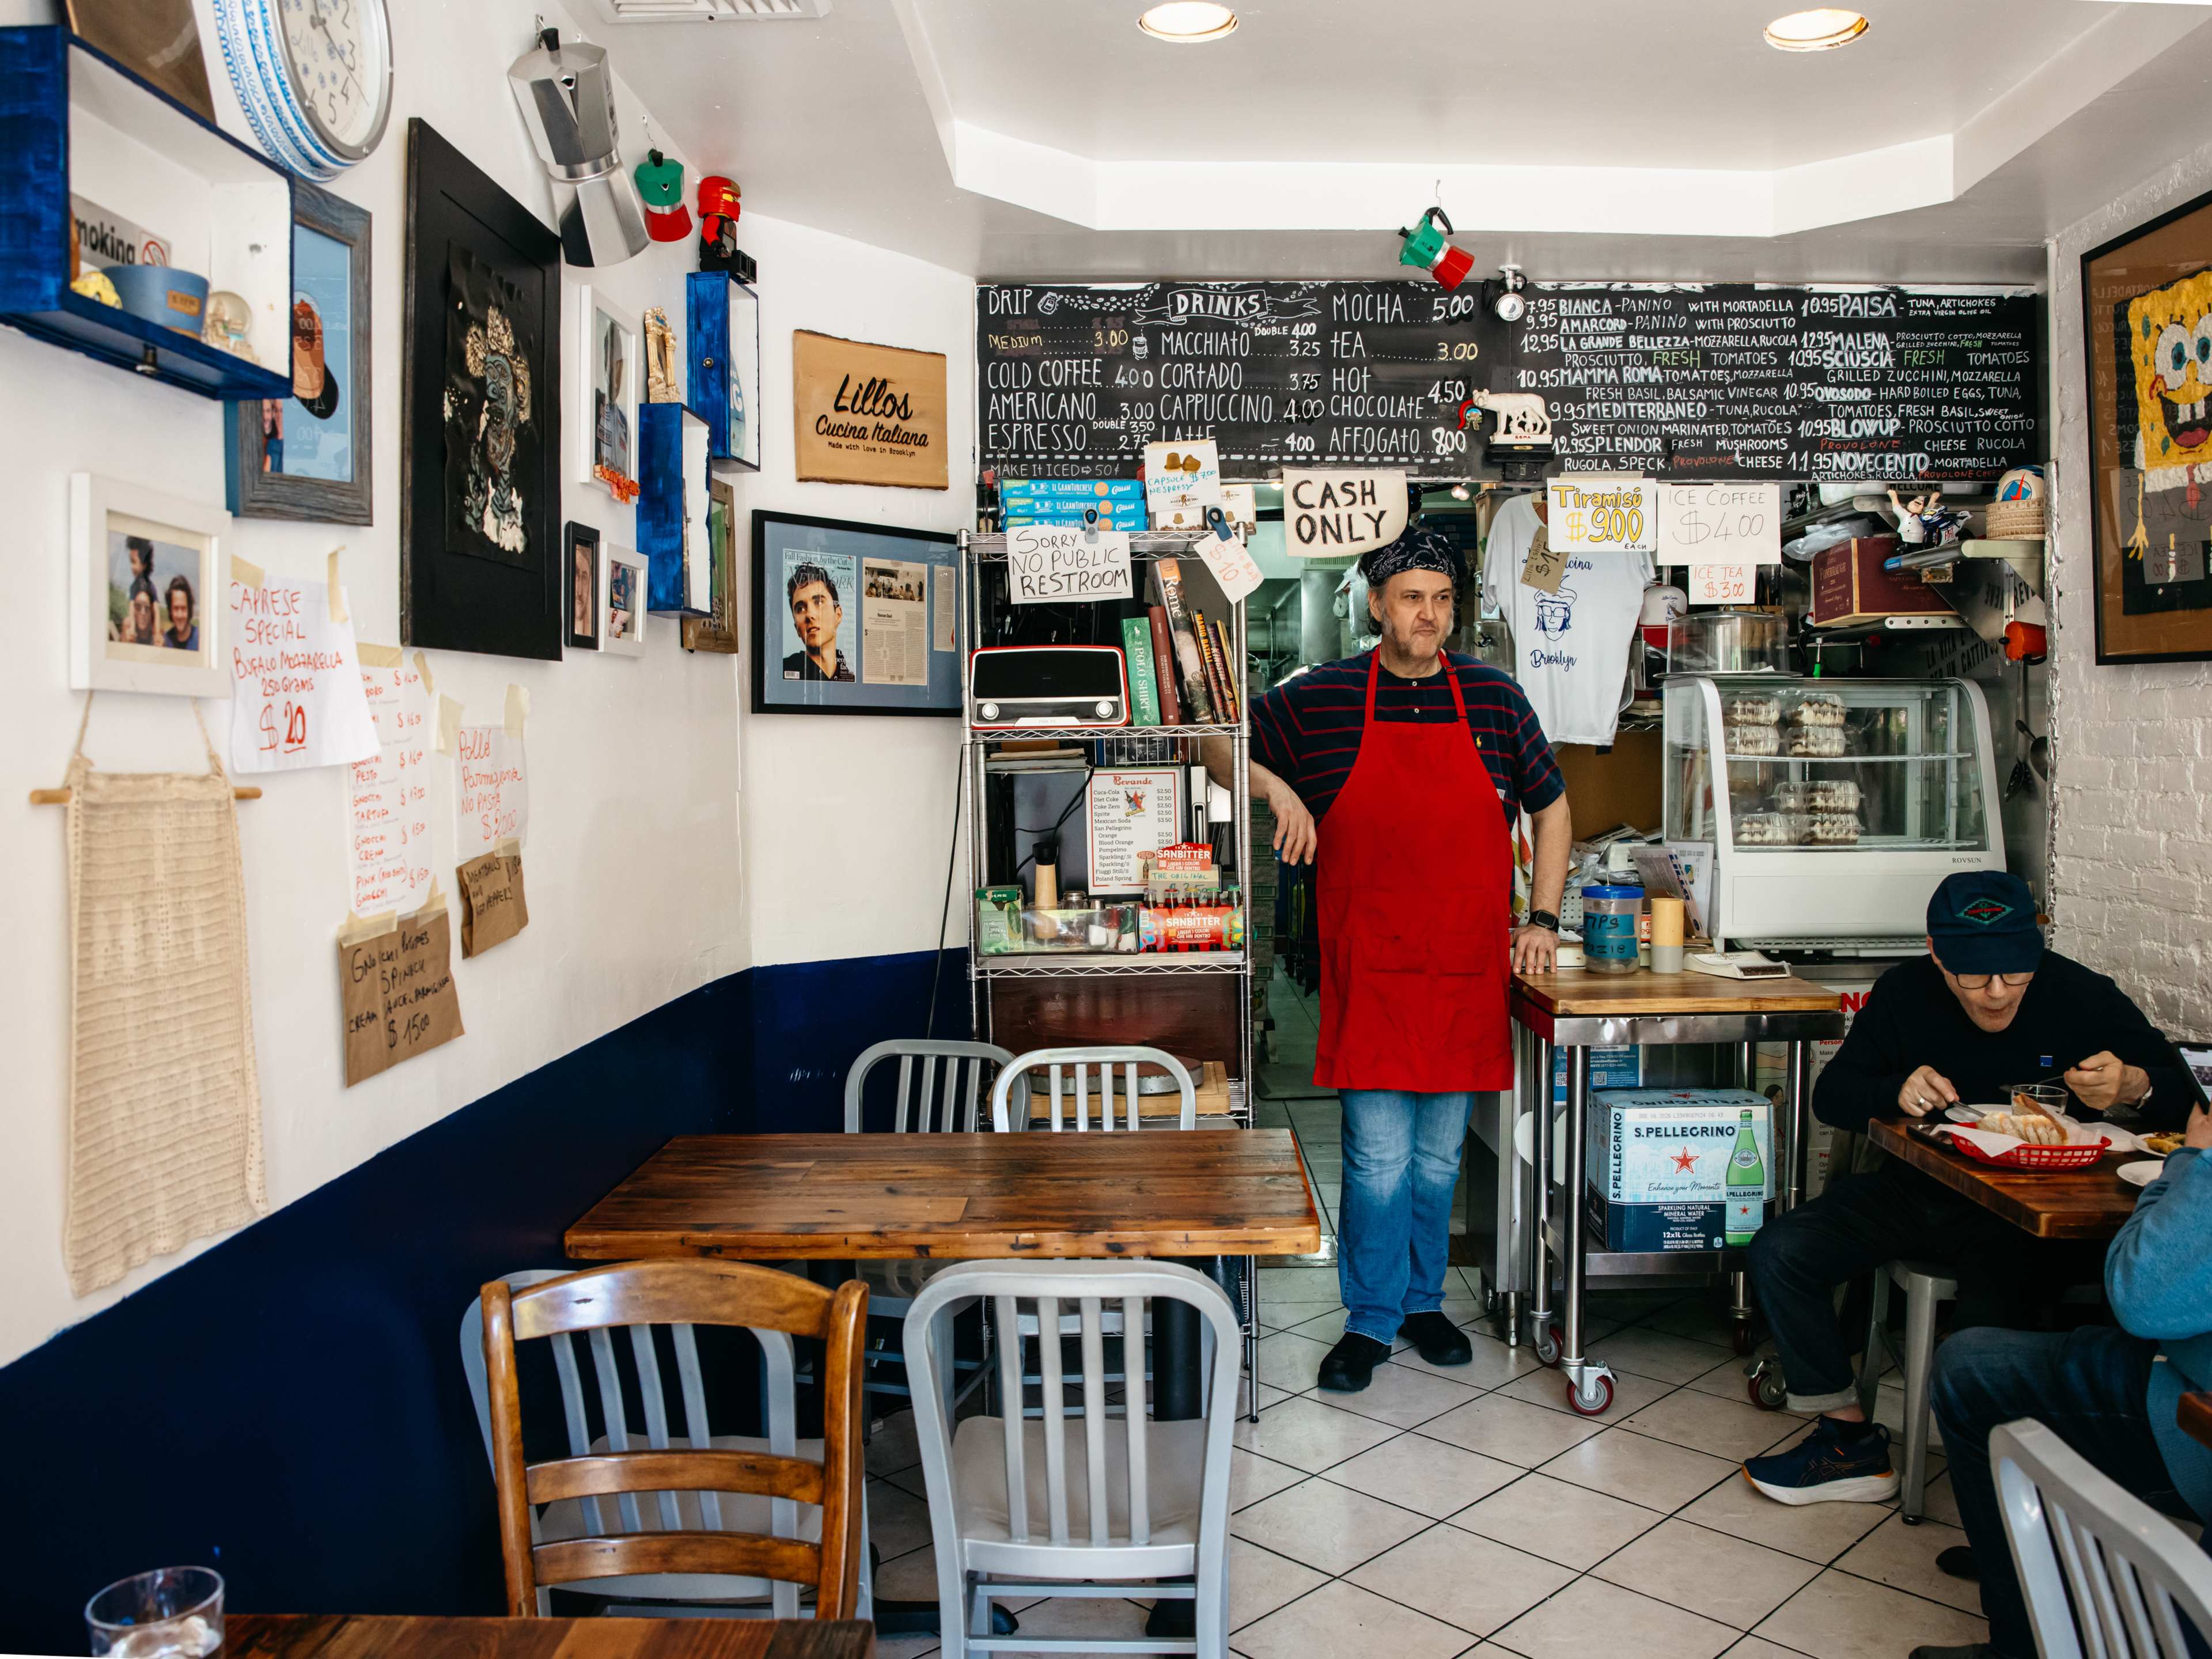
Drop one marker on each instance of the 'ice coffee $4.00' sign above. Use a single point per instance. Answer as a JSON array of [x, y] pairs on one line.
[[1049, 564], [1590, 515]]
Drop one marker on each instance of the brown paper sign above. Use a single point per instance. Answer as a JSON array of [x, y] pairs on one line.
[[1544, 569], [493, 907], [868, 413], [397, 990]]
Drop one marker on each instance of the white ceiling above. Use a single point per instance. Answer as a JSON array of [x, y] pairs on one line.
[[1043, 137]]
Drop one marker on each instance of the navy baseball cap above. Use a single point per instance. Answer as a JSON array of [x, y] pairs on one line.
[[1983, 922]]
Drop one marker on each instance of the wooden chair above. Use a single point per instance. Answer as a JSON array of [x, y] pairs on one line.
[[693, 1292]]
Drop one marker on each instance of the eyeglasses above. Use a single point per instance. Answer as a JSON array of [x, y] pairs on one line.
[[1981, 981]]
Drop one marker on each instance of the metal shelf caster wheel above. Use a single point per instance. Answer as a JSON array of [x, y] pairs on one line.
[[1593, 1401], [1549, 1344], [1766, 1387], [1912, 1520], [1740, 1338]]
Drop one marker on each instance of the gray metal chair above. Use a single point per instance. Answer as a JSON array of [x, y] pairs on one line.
[[947, 1102], [1924, 1285], [1084, 1059], [1016, 1510], [575, 1517], [2094, 1560]]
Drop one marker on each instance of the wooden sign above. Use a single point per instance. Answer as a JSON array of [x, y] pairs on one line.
[[493, 907], [868, 413], [396, 988]]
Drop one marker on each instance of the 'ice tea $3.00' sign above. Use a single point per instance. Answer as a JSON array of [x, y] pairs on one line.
[[296, 696], [1589, 514], [1049, 563]]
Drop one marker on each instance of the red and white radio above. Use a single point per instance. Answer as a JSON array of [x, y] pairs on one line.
[[1011, 686]]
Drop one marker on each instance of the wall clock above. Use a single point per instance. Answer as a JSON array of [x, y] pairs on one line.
[[314, 78]]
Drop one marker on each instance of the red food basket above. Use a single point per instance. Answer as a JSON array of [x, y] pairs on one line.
[[2031, 1157]]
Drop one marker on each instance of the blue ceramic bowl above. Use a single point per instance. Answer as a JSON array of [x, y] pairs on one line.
[[162, 294]]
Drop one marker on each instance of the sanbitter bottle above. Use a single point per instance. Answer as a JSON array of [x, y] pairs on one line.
[[1747, 1184]]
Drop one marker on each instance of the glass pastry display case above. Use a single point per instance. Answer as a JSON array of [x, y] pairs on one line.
[[1820, 814]]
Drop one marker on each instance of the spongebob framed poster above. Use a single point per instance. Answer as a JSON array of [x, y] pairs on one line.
[[481, 564], [2147, 298]]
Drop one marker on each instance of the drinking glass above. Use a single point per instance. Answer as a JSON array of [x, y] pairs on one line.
[[2052, 1096], [172, 1613]]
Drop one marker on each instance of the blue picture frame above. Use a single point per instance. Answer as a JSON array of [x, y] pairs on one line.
[[861, 578]]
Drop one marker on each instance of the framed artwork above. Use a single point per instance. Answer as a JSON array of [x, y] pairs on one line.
[[583, 586], [2146, 324], [149, 591], [481, 565], [718, 629], [606, 374], [854, 618], [621, 602], [308, 456]]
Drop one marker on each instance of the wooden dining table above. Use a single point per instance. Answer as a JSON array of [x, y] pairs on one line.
[[2195, 1416], [2091, 1204], [358, 1636]]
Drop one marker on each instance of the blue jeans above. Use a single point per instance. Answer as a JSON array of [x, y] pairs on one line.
[[2091, 1387], [1401, 1163]]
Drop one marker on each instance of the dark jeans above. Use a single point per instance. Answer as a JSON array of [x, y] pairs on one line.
[[2091, 1388], [1862, 1221]]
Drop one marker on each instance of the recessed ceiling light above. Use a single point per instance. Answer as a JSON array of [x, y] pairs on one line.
[[1188, 22], [1816, 30]]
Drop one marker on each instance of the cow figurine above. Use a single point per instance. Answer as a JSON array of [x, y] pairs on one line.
[[1524, 417]]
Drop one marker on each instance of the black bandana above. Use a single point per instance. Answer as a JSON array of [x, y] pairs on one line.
[[1417, 550]]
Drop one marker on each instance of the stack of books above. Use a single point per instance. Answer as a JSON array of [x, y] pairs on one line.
[[1181, 670]]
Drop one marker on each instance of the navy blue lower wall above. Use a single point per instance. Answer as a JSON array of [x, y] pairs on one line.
[[289, 1406]]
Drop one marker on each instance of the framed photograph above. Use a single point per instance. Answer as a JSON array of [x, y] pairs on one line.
[[621, 602], [854, 618], [481, 565], [583, 586], [308, 456], [149, 591], [606, 374], [718, 629], [2146, 301]]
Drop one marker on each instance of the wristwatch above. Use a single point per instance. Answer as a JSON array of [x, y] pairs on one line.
[[1544, 919]]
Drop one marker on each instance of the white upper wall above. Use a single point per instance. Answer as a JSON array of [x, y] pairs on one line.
[[655, 798]]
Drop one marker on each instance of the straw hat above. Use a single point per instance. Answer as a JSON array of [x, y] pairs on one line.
[[2016, 516]]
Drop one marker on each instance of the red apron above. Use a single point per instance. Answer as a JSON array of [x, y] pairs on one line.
[[1414, 875]]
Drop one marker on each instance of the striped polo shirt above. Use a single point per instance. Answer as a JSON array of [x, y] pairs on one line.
[[1307, 731]]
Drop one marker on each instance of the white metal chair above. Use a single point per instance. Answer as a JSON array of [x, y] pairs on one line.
[[1004, 1116], [1924, 1285], [576, 1517], [1017, 1510], [2098, 1568]]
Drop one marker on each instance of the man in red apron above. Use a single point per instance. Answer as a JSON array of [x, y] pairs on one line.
[[1399, 773]]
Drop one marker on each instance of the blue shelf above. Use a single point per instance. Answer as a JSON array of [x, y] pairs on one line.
[[48, 77]]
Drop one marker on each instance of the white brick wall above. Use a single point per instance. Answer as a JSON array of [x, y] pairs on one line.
[[2131, 747]]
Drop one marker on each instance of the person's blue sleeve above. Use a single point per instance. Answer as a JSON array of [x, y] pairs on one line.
[[2158, 1274], [1274, 735], [1536, 779]]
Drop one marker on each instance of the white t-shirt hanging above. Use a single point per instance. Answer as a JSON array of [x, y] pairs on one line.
[[1570, 649]]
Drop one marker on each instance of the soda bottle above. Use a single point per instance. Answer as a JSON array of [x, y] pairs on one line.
[[1746, 1181]]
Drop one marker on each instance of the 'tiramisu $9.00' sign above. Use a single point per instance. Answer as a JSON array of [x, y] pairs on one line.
[[1589, 514], [868, 413]]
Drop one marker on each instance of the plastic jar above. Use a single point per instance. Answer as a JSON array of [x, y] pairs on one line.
[[1609, 929]]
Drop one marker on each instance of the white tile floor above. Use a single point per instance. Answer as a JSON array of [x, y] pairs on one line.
[[1465, 1510]]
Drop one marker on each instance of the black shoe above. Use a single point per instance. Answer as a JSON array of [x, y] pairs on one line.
[[1957, 1562], [1441, 1342], [1351, 1364]]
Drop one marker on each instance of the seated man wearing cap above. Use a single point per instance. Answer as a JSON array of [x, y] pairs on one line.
[[1988, 1007]]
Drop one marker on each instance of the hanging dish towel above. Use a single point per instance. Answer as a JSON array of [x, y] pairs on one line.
[[165, 1106]]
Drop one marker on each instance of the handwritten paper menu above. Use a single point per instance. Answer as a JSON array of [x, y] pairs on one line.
[[388, 795], [395, 987], [1720, 524], [296, 698], [1048, 562], [491, 797]]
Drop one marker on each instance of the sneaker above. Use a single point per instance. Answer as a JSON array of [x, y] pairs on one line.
[[1825, 1469], [1957, 1562], [1441, 1342], [1351, 1364]]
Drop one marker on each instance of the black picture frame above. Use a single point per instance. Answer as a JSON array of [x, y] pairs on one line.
[[582, 542], [451, 599], [254, 494], [943, 697], [2130, 504]]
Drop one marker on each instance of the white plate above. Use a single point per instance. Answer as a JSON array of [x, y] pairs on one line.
[[1972, 1114], [2142, 1173]]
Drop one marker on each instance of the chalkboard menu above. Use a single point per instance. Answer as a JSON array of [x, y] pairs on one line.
[[1074, 381], [1724, 380], [1737, 380]]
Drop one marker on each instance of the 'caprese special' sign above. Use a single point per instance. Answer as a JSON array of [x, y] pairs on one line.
[[868, 413]]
